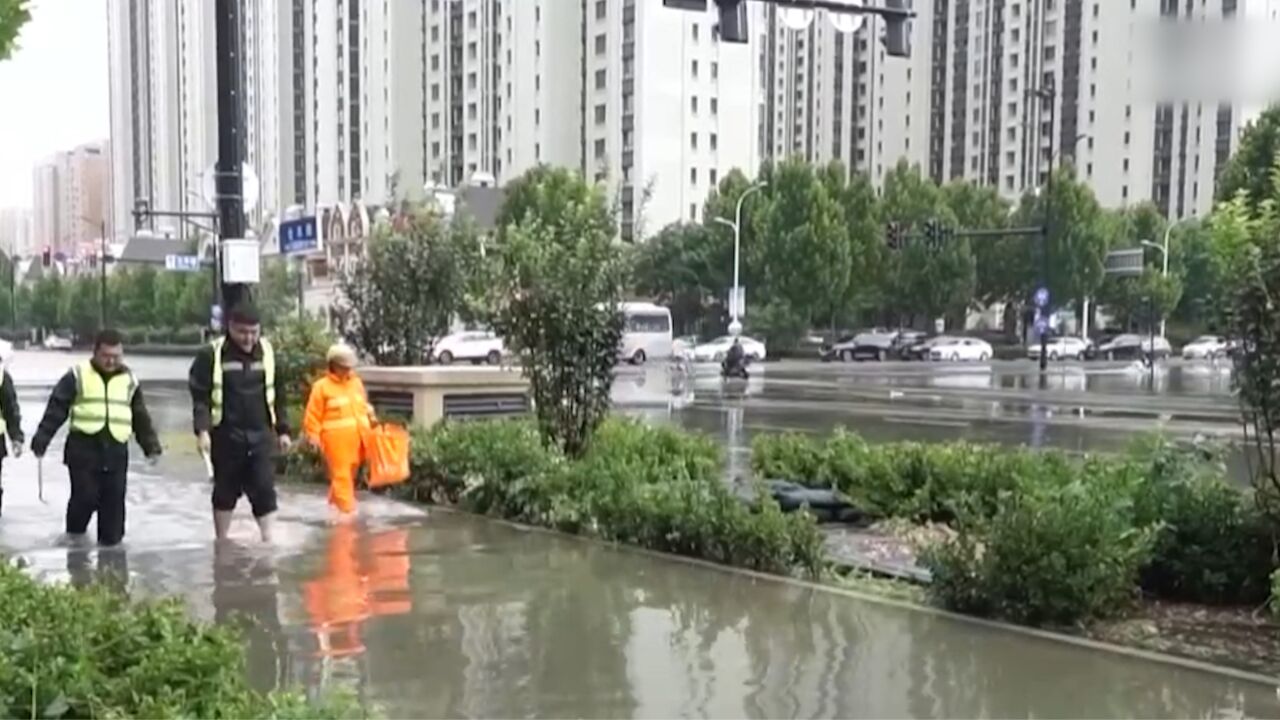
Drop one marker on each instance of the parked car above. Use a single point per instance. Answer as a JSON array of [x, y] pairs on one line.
[[1131, 346], [1061, 348], [682, 347], [958, 349], [56, 342], [877, 344], [716, 350], [919, 350], [1207, 347], [476, 346]]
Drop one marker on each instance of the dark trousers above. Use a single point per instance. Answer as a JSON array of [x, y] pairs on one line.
[[244, 467], [97, 488]]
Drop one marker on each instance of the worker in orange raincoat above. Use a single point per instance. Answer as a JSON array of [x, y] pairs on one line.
[[338, 417]]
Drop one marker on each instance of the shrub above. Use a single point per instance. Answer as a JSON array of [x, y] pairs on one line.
[[92, 653], [790, 456], [1211, 542], [1275, 593], [301, 344], [1054, 556], [302, 464]]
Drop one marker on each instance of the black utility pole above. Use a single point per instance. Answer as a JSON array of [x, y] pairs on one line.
[[1046, 95], [230, 184], [102, 275]]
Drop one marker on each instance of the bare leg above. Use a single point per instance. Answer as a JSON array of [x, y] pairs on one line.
[[221, 523], [265, 525]]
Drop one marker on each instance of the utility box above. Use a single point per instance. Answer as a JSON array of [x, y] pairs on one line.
[[424, 395], [241, 262]]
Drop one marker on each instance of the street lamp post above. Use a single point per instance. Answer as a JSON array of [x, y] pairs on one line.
[[736, 299], [1047, 95], [1164, 253]]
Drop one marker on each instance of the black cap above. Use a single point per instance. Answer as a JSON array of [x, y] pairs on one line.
[[244, 314]]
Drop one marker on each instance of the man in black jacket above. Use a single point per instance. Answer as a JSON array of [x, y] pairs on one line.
[[10, 423], [240, 418], [104, 402]]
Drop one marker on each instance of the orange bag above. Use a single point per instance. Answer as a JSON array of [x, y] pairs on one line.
[[387, 452]]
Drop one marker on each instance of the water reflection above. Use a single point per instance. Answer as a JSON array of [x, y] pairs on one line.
[[460, 617]]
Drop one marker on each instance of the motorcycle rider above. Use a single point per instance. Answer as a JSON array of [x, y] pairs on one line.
[[735, 362]]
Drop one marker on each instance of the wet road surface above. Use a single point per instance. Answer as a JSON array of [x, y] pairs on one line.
[[437, 614]]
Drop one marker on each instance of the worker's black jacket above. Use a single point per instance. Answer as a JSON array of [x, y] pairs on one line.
[[245, 417], [12, 414], [98, 448]]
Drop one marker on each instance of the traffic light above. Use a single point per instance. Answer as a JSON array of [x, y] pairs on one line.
[[937, 234], [733, 16], [894, 236], [46, 258], [897, 33]]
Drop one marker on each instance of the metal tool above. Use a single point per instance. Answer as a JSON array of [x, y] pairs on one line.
[[208, 464], [40, 480]]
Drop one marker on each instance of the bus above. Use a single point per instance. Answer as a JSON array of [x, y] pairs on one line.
[[646, 333]]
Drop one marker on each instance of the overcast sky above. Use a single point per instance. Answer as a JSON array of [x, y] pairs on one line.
[[54, 90]]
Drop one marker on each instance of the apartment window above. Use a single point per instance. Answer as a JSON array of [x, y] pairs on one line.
[[715, 106], [1126, 137], [435, 91], [693, 176], [600, 43], [715, 71], [600, 148], [435, 33], [693, 141], [435, 121], [693, 211], [600, 79], [714, 177], [1126, 164], [471, 19], [537, 48], [435, 62], [435, 149], [715, 141], [601, 9], [693, 104], [471, 81], [1124, 192], [537, 116], [472, 53], [694, 69], [600, 114], [471, 111]]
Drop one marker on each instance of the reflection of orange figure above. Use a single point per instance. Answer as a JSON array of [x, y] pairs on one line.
[[360, 580], [338, 416]]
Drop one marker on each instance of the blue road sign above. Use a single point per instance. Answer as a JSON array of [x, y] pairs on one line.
[[182, 263], [1042, 297], [299, 236]]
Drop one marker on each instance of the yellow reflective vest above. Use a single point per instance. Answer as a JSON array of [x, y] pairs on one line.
[[268, 368], [103, 403]]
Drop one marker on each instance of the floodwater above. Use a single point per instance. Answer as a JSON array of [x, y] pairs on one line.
[[434, 614]]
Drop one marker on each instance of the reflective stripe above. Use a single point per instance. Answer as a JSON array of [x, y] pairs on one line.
[[267, 366], [103, 404], [337, 402], [338, 424]]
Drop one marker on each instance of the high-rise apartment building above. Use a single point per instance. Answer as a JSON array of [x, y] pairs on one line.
[[16, 232], [70, 201]]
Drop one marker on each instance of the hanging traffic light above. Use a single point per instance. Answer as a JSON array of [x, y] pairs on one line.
[[897, 33], [894, 236], [733, 17]]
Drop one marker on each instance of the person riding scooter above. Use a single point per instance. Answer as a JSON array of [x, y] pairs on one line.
[[735, 361]]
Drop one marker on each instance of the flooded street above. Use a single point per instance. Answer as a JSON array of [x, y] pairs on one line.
[[433, 614]]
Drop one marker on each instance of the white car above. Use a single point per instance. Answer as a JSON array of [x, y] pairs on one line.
[[961, 348], [1060, 348], [53, 342], [716, 350], [1206, 347], [474, 346], [682, 348]]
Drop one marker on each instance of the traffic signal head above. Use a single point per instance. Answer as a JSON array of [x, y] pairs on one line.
[[733, 16], [897, 30]]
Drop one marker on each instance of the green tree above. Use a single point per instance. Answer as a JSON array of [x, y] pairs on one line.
[[46, 303], [133, 290], [686, 267], [82, 306], [804, 254], [868, 254], [402, 297], [13, 15], [276, 296], [1202, 278], [1249, 169], [1000, 274], [928, 282], [559, 281], [1078, 241]]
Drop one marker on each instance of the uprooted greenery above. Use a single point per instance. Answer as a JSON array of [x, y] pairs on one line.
[[93, 653], [1045, 538]]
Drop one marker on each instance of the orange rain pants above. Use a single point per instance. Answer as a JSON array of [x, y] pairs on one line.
[[338, 416]]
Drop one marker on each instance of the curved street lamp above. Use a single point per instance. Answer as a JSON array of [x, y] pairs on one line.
[[736, 299]]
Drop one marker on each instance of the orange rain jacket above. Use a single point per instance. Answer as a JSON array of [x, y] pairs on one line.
[[338, 416]]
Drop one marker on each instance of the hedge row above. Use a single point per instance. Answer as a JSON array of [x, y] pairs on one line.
[[92, 653], [656, 488], [1046, 538]]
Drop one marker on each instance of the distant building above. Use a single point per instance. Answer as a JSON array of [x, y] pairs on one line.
[[70, 199], [17, 236]]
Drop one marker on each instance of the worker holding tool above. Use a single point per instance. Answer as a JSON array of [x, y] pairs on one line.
[[104, 401], [240, 419], [337, 419], [10, 420]]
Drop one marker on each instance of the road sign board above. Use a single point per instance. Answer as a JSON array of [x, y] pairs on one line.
[[738, 301], [299, 236], [1042, 297], [1125, 262], [182, 263]]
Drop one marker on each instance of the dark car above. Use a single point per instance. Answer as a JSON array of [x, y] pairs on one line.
[[877, 344], [913, 345]]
